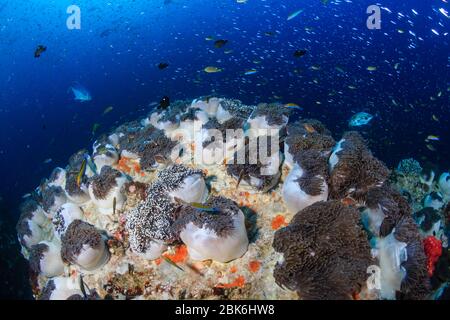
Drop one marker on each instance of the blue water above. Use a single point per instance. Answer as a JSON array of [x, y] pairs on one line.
[[115, 54]]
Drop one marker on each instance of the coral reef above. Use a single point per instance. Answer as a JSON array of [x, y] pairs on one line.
[[143, 217]]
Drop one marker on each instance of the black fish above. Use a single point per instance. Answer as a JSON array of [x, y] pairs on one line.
[[220, 43], [39, 50], [164, 103], [299, 53], [162, 65]]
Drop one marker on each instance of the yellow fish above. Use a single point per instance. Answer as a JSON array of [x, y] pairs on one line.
[[309, 128], [432, 137], [212, 69], [371, 68], [435, 118], [81, 173]]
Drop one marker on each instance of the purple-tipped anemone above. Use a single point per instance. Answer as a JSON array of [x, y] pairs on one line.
[[307, 181], [31, 223], [325, 252], [106, 190], [353, 168], [219, 235], [149, 224], [45, 259], [83, 245]]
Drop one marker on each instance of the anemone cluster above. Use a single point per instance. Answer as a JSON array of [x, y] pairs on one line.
[[325, 252], [142, 197]]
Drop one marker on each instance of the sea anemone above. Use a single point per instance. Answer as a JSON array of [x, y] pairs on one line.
[[216, 233], [267, 117], [434, 200], [306, 182], [209, 105], [304, 135], [444, 185], [60, 288], [64, 216], [167, 120], [149, 223], [106, 188], [325, 252], [416, 284], [384, 207], [45, 259], [31, 222], [53, 197], [427, 176], [104, 154], [57, 178], [83, 245], [259, 166], [402, 262], [218, 141], [189, 186], [77, 194], [191, 123], [164, 121], [230, 108], [430, 222], [353, 168], [76, 161], [147, 145]]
